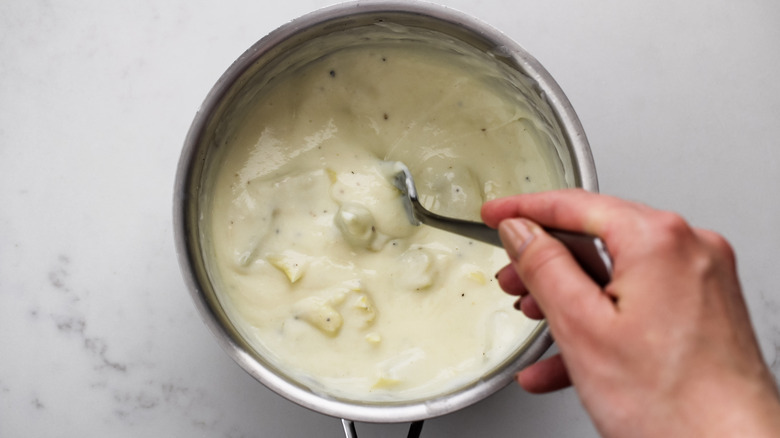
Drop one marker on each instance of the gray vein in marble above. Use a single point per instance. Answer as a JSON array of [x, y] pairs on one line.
[[74, 323], [134, 404], [37, 404], [136, 390]]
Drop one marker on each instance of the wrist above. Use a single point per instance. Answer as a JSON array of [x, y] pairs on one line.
[[737, 406]]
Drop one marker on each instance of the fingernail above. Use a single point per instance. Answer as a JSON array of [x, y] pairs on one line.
[[515, 234]]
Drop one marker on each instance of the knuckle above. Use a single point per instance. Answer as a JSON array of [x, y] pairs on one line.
[[703, 264], [560, 211], [671, 223], [719, 246], [669, 231], [705, 252]]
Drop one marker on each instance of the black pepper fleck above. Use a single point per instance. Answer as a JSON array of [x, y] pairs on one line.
[[385, 116], [333, 73]]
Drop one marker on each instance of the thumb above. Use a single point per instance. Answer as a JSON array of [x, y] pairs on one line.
[[567, 296]]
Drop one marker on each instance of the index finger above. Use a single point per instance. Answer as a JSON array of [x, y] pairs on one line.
[[567, 209]]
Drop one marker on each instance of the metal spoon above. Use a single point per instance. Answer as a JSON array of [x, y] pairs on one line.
[[589, 251]]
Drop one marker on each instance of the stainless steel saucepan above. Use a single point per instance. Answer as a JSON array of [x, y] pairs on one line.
[[222, 108]]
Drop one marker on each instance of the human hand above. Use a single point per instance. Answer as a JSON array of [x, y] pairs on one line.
[[666, 348]]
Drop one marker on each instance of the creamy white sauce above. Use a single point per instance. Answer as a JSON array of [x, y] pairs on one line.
[[318, 264]]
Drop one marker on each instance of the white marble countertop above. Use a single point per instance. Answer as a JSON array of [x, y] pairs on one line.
[[98, 334]]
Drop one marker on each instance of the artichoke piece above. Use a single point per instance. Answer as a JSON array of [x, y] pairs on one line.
[[478, 277], [356, 224], [417, 269], [384, 382], [319, 314], [292, 264], [364, 308], [373, 338]]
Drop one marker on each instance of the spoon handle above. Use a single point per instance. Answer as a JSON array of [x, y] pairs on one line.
[[589, 251]]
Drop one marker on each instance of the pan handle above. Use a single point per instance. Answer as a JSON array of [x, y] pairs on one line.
[[349, 429]]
